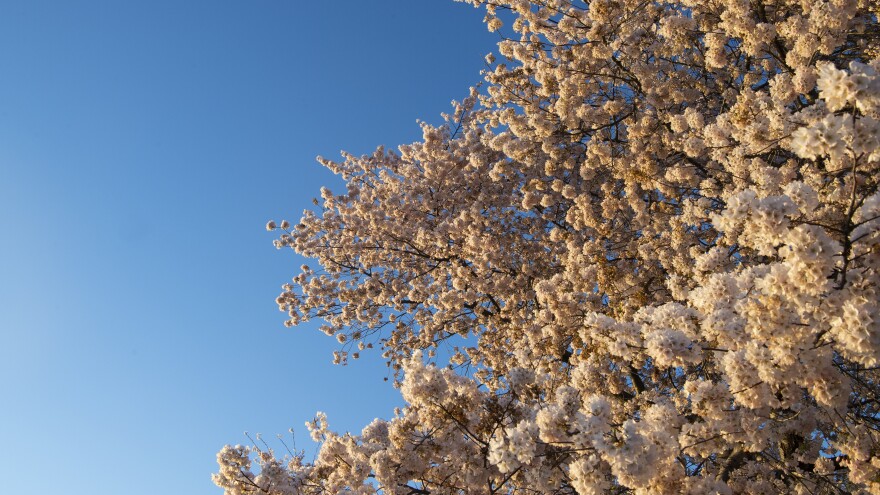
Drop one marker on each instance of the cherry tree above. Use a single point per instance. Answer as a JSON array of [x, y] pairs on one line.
[[641, 258]]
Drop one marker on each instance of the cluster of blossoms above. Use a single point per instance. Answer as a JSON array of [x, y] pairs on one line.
[[642, 259]]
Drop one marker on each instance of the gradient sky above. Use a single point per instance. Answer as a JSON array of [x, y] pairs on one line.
[[143, 146]]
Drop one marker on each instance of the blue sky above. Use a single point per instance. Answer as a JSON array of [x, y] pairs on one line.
[[143, 146]]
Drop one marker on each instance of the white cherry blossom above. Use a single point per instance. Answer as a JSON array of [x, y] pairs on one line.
[[648, 245]]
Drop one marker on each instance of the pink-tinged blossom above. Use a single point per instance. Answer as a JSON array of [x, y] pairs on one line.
[[648, 246]]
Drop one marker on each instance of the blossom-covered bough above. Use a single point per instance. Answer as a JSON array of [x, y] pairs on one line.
[[643, 258]]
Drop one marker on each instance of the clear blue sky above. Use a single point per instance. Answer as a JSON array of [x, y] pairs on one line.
[[143, 146]]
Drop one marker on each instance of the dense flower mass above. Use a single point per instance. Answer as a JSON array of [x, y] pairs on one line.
[[641, 258]]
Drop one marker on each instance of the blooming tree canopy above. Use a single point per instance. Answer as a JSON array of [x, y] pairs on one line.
[[641, 258]]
